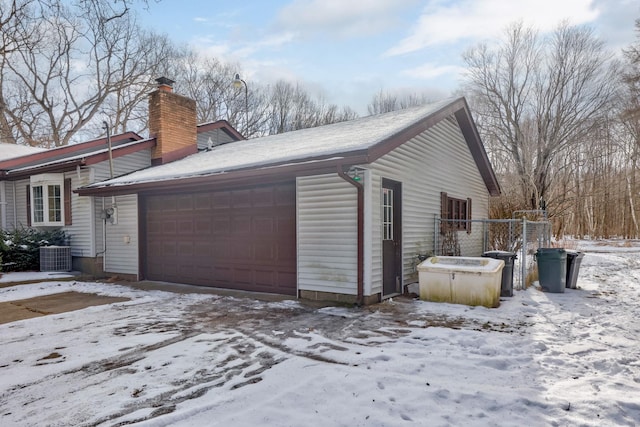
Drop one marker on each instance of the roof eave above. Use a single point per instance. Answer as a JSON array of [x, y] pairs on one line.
[[270, 173], [460, 109], [56, 167], [470, 132], [88, 160], [44, 156]]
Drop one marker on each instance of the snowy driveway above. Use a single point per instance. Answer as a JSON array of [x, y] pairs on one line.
[[204, 360]]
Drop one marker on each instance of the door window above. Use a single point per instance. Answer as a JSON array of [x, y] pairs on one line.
[[387, 214]]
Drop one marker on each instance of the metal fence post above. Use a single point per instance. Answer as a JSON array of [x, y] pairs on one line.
[[485, 237], [523, 263], [435, 234]]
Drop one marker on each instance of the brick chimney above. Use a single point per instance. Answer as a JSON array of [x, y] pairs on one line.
[[172, 121]]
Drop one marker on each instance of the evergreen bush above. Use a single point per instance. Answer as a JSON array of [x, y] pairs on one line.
[[20, 248]]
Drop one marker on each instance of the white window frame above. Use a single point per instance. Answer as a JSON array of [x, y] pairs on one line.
[[46, 181], [387, 214]]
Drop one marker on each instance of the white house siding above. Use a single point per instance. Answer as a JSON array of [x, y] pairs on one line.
[[436, 160], [327, 234], [17, 204], [101, 172], [121, 254], [123, 165], [217, 136], [7, 205], [81, 234]]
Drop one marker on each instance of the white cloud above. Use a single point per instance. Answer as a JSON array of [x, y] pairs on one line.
[[340, 18], [443, 22], [431, 71]]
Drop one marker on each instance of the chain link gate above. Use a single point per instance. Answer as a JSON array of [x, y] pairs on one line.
[[475, 237]]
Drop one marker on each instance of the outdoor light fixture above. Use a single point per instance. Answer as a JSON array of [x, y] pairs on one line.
[[356, 173], [238, 83]]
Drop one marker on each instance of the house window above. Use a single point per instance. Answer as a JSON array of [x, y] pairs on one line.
[[49, 200], [455, 213]]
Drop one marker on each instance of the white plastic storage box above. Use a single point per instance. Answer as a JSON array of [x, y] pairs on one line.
[[461, 280]]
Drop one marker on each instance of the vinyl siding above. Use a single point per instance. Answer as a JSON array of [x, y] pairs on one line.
[[17, 208], [218, 137], [327, 234], [80, 231], [85, 232], [121, 257], [436, 160], [8, 205], [121, 166]]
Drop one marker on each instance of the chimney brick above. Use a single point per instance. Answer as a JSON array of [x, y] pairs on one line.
[[172, 121]]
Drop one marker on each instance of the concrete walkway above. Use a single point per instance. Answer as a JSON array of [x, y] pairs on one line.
[[63, 302]]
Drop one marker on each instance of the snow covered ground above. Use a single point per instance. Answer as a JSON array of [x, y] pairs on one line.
[[165, 359]]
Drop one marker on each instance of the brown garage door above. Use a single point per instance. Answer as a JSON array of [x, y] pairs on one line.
[[241, 238]]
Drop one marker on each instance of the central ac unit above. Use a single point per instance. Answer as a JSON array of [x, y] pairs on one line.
[[55, 258]]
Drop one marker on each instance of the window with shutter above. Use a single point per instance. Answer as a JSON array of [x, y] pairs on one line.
[[49, 200], [455, 213]]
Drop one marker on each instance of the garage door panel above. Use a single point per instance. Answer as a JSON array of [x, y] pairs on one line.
[[154, 227], [266, 278], [185, 227], [263, 225], [202, 201], [203, 226], [221, 226], [185, 249], [241, 225], [221, 200], [240, 252], [237, 238], [286, 254], [185, 203], [263, 198], [169, 227], [265, 252], [170, 205], [241, 199], [168, 249]]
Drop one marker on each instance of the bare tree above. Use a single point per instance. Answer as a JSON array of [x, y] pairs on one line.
[[147, 56], [384, 102], [65, 64], [632, 75], [291, 108], [535, 98]]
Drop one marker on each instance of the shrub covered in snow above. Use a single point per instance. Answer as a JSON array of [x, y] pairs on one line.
[[20, 248]]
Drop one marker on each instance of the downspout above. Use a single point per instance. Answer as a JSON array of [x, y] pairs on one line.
[[360, 190], [15, 208], [104, 241], [113, 201], [3, 205]]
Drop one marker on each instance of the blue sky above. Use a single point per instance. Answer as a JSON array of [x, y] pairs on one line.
[[349, 50]]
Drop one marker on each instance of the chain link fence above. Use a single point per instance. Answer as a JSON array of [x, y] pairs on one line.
[[475, 237]]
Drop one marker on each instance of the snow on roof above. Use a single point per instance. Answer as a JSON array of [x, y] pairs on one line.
[[9, 151], [79, 156], [300, 145]]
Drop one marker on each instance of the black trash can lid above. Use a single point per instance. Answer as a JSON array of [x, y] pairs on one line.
[[548, 250], [574, 254], [500, 254]]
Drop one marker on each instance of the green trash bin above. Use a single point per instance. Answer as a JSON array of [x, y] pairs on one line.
[[506, 287], [574, 258], [552, 269]]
